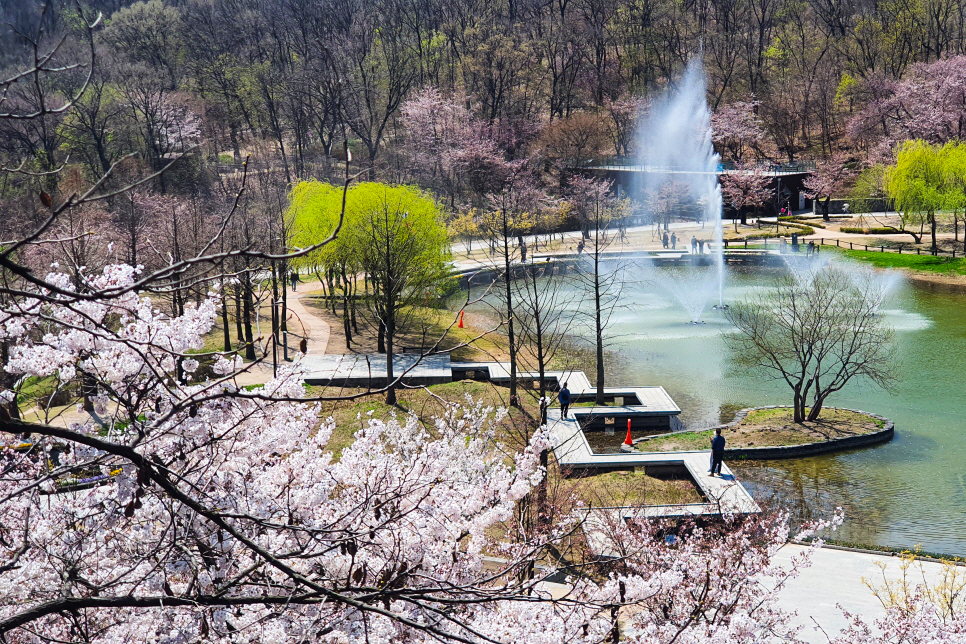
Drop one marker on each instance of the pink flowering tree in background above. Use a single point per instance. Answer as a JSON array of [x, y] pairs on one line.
[[438, 130], [830, 177], [746, 188], [665, 201], [929, 103], [625, 114], [737, 130]]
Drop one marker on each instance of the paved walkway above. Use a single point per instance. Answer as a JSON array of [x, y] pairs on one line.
[[369, 370], [304, 322], [835, 578]]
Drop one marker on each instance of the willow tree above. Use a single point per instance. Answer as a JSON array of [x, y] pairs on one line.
[[919, 183], [400, 243], [313, 214], [392, 235]]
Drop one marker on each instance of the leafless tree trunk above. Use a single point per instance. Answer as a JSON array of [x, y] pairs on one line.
[[816, 336]]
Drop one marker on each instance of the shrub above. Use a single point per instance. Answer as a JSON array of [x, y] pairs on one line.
[[870, 231]]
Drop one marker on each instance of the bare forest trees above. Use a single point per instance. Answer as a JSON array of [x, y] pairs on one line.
[[509, 218], [785, 79], [602, 277]]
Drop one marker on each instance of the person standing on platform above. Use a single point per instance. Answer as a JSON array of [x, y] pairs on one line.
[[717, 452], [694, 245], [674, 241], [664, 239], [564, 398]]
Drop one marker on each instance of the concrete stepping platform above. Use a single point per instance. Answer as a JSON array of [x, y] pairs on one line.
[[723, 493], [369, 370]]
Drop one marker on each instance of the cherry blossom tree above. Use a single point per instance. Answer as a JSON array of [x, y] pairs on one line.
[[736, 129], [625, 113], [666, 201], [450, 149], [929, 103], [830, 177], [746, 188]]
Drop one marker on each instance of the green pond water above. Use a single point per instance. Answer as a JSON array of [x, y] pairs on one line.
[[909, 492]]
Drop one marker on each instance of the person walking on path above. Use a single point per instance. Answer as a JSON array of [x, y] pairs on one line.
[[694, 245], [564, 398], [294, 278], [674, 241], [717, 452], [664, 239]]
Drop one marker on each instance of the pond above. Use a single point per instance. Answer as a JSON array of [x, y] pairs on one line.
[[909, 492]]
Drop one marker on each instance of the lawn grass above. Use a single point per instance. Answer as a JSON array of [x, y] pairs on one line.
[[621, 489], [771, 428], [33, 389], [908, 261]]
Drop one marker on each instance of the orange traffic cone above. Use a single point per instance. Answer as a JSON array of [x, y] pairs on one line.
[[460, 324], [628, 445]]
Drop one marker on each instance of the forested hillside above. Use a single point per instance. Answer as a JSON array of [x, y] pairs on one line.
[[455, 96]]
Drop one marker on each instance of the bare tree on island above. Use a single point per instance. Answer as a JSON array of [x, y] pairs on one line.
[[600, 215], [816, 337]]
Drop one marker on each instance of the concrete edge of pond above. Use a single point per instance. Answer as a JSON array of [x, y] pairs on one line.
[[769, 453], [951, 560]]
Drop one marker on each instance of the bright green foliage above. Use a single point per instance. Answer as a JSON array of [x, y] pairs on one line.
[[917, 181], [313, 214], [394, 235], [923, 182], [405, 218], [399, 234]]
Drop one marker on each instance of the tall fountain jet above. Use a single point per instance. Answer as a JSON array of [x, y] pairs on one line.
[[679, 157]]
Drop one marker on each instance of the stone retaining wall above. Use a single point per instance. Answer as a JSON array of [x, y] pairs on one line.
[[883, 435]]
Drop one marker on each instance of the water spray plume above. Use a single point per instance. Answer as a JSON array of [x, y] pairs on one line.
[[677, 148]]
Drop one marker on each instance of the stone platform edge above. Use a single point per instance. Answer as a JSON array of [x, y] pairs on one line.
[[884, 435]]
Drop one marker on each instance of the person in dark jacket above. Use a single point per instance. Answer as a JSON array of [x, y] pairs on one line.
[[294, 278], [717, 452], [564, 398]]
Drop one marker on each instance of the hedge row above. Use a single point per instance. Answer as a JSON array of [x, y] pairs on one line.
[[870, 231], [802, 220], [805, 230]]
